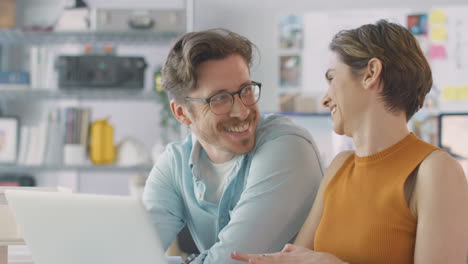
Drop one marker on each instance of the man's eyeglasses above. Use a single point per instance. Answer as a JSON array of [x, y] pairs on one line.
[[222, 103]]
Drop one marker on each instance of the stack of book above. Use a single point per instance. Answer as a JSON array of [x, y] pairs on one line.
[[14, 80], [41, 75], [41, 63], [44, 144]]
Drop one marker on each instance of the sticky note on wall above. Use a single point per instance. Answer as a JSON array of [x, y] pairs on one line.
[[437, 52], [437, 16], [455, 93], [438, 33]]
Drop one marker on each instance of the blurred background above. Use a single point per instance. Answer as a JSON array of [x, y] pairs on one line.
[[81, 104], [80, 99]]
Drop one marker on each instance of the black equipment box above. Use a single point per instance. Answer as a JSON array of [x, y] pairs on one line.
[[101, 71], [16, 180]]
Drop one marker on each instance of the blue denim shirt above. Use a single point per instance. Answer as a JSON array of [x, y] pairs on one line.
[[267, 198]]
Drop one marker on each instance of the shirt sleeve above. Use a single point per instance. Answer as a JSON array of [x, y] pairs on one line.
[[280, 189], [163, 201]]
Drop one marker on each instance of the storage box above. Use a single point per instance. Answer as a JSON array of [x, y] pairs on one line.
[[14, 77], [287, 102], [14, 80], [7, 13], [306, 104], [148, 20]]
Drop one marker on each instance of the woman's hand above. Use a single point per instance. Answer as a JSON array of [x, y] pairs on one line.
[[290, 254]]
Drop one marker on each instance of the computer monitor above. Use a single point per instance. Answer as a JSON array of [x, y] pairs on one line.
[[453, 128]]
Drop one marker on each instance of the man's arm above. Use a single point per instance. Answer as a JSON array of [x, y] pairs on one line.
[[442, 209], [162, 200], [281, 185]]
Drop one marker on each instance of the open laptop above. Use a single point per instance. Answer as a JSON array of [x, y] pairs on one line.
[[65, 228]]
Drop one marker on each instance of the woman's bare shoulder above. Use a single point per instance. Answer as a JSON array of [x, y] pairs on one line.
[[337, 163]]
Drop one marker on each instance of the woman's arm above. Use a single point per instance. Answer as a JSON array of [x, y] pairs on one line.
[[301, 252], [442, 209], [291, 254]]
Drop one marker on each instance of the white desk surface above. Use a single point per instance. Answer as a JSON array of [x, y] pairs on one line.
[[11, 242], [20, 254]]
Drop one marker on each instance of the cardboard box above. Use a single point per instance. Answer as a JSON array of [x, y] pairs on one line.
[[306, 104], [7, 13], [287, 102]]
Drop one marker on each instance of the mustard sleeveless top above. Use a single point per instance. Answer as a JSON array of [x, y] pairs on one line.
[[366, 218]]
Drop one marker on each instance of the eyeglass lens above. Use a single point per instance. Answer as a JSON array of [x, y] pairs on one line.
[[222, 103]]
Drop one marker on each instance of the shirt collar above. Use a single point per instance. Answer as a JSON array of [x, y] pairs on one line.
[[195, 153]]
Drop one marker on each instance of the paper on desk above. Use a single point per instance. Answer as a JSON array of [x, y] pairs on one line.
[[3, 199], [19, 255], [174, 260]]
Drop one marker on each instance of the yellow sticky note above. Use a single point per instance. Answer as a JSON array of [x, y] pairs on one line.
[[449, 93], [463, 95], [437, 16], [455, 93], [438, 33]]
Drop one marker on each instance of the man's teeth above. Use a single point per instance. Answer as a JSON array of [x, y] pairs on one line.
[[238, 129], [334, 110]]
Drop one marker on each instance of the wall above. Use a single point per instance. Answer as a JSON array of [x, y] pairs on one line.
[[257, 20]]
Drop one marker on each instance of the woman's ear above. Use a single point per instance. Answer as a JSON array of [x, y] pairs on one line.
[[372, 74], [180, 112]]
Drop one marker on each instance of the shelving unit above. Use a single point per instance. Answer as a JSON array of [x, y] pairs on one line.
[[85, 37], [31, 104], [85, 168], [134, 38], [55, 40], [85, 94]]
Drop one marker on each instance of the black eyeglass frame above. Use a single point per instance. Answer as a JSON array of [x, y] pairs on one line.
[[208, 100]]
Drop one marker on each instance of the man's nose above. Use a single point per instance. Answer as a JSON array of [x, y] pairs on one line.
[[238, 109]]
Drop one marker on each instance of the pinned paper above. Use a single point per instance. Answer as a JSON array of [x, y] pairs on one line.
[[437, 52], [417, 24], [438, 33], [437, 16], [455, 93]]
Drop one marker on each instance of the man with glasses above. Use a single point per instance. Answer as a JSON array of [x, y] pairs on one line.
[[238, 173]]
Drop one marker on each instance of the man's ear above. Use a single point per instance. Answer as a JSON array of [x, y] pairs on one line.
[[372, 74], [180, 112]]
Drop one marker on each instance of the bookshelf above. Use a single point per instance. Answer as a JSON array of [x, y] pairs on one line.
[[85, 168], [86, 37], [111, 98], [83, 94]]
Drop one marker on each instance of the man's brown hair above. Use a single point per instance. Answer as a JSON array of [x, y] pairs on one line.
[[179, 73]]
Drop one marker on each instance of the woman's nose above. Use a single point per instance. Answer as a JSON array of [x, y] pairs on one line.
[[325, 100]]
